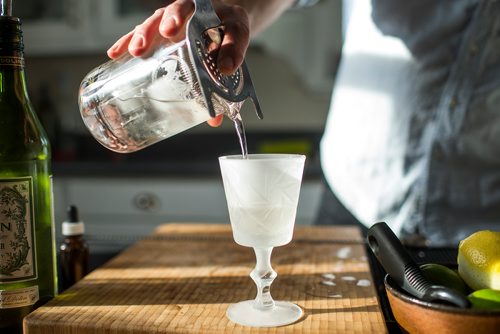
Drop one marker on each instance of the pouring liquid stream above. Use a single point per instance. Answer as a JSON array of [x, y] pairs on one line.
[[234, 115], [240, 131]]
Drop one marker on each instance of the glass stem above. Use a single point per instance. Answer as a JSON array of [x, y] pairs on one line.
[[263, 275]]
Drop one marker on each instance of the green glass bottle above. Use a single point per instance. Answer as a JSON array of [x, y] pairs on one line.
[[27, 246]]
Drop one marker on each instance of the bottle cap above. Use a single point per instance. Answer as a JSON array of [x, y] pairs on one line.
[[73, 226]]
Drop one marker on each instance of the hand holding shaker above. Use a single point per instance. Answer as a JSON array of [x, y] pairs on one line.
[[131, 103]]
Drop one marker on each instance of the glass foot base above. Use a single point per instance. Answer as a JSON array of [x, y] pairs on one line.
[[283, 313]]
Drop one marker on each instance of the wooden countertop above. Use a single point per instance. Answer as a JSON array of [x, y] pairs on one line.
[[182, 278]]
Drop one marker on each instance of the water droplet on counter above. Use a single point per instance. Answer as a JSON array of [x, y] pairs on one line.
[[328, 283], [344, 253], [364, 282], [329, 276], [348, 278], [335, 296]]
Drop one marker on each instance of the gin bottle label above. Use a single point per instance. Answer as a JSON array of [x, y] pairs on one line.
[[19, 297], [17, 246]]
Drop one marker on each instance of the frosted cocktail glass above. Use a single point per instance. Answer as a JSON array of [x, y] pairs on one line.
[[262, 193]]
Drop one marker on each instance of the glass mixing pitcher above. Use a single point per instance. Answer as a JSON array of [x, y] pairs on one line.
[[133, 102]]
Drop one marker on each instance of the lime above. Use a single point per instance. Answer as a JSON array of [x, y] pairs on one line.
[[438, 274], [485, 299], [479, 260]]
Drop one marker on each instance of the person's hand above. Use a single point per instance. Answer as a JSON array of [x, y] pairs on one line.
[[170, 23]]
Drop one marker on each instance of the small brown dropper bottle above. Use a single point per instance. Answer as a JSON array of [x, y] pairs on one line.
[[74, 250]]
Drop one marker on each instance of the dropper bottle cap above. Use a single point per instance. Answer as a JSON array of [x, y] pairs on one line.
[[73, 226]]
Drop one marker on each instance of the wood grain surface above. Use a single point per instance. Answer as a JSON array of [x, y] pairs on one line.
[[182, 278]]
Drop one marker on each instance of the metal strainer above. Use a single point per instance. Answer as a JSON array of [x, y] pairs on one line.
[[205, 33]]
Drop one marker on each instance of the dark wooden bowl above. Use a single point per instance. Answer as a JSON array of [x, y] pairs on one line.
[[417, 316]]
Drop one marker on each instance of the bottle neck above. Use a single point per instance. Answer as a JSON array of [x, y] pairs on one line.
[[12, 75], [11, 56], [22, 137]]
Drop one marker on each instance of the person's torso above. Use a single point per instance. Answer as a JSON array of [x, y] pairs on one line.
[[411, 138]]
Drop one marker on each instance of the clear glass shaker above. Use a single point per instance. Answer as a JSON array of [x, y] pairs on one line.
[[133, 102]]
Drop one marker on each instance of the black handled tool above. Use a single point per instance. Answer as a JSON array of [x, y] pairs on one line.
[[405, 272]]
